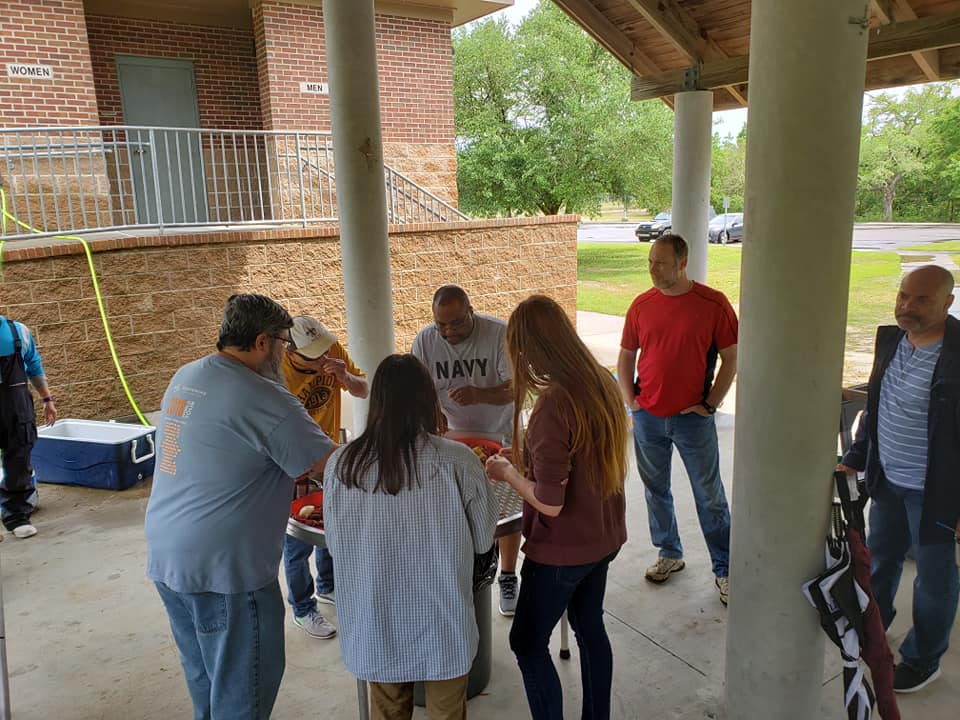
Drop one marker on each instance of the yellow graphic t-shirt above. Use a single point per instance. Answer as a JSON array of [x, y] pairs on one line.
[[319, 392]]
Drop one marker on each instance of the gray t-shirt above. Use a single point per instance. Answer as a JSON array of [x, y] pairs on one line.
[[228, 443], [481, 361]]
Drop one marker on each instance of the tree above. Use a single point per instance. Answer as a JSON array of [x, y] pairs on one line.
[[638, 152], [895, 140], [485, 86], [728, 165], [945, 142], [544, 121]]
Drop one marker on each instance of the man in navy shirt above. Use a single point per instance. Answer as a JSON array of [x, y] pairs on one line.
[[19, 362], [908, 442]]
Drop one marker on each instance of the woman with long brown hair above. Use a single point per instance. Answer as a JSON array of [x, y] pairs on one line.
[[569, 468], [405, 511]]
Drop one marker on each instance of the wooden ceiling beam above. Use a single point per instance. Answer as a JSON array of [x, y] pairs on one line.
[[684, 33], [884, 74], [676, 25], [717, 74], [596, 24], [891, 11], [906, 38], [902, 38]]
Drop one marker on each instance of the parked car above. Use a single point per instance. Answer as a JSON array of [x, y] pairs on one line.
[[660, 224], [726, 228]]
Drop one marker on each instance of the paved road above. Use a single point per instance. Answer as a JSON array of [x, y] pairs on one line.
[[866, 236]]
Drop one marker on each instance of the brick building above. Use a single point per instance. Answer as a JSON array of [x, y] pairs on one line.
[[78, 75], [229, 65]]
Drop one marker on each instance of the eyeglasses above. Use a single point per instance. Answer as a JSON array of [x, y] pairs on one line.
[[455, 324], [286, 340]]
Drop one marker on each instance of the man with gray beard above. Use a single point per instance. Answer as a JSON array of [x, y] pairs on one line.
[[230, 439]]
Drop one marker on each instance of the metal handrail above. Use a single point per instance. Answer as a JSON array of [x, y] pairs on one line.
[[410, 191], [83, 179]]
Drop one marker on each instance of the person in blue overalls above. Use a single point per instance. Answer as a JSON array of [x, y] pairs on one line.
[[19, 360]]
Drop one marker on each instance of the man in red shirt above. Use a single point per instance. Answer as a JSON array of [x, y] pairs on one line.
[[680, 328]]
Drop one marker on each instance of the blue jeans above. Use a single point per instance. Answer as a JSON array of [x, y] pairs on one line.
[[894, 529], [296, 566], [546, 591], [696, 439], [231, 649]]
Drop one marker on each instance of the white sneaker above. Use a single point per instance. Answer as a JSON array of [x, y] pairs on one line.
[[315, 625], [663, 568], [329, 598], [24, 531]]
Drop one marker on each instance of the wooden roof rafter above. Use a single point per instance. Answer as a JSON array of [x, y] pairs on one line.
[[674, 46], [596, 24], [682, 30], [886, 41], [890, 11]]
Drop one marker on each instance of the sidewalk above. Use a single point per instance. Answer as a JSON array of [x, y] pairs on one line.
[[601, 334]]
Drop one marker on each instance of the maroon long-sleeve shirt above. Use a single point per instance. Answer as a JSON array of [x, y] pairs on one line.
[[589, 527]]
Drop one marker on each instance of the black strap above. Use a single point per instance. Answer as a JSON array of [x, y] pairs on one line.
[[852, 511], [17, 343]]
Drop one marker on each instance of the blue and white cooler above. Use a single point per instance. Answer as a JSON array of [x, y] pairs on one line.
[[92, 453]]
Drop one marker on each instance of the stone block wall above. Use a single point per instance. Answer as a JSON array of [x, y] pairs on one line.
[[164, 295]]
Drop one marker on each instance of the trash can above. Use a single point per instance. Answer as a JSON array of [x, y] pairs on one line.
[[484, 572]]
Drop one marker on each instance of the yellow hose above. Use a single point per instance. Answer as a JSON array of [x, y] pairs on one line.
[[96, 290]]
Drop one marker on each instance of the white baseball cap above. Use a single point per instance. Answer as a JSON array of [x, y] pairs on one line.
[[310, 338]]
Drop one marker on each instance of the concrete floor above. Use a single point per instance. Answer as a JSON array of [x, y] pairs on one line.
[[87, 637]]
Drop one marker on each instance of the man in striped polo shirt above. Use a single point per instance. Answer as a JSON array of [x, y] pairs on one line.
[[908, 442]]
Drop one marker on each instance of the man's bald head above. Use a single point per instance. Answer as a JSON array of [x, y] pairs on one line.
[[923, 301], [933, 276]]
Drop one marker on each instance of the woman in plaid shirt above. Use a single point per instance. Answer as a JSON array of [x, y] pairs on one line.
[[404, 513]]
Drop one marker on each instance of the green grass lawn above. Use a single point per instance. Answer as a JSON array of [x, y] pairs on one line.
[[948, 246], [610, 276]]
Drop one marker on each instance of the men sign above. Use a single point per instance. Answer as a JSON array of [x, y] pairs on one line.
[[314, 88], [29, 72]]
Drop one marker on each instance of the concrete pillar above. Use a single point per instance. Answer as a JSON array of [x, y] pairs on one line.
[[807, 65], [692, 134], [361, 195]]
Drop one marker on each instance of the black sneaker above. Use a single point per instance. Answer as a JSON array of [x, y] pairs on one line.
[[907, 679]]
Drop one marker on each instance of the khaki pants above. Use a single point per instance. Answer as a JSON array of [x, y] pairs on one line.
[[446, 700]]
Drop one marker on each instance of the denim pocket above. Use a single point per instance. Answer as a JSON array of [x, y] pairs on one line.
[[211, 613]]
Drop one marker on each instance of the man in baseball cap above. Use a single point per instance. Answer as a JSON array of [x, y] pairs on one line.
[[315, 369]]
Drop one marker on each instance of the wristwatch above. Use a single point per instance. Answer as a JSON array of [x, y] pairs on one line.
[[708, 407]]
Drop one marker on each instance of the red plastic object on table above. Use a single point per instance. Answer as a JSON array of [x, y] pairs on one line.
[[491, 447], [314, 498]]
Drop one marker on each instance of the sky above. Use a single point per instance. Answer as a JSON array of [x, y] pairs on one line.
[[728, 122]]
